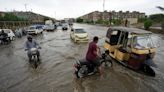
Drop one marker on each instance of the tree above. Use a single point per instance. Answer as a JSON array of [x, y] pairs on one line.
[[158, 18], [79, 20], [11, 17], [46, 18], [99, 21], [141, 20], [147, 24], [162, 9], [117, 21], [106, 22]]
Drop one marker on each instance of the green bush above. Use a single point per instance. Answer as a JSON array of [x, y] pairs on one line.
[[141, 20], [147, 24], [116, 21], [79, 20], [100, 21], [11, 17], [88, 21], [106, 22], [46, 18]]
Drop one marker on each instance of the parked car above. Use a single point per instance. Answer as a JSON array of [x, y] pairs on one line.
[[79, 35], [65, 26], [9, 32], [36, 29]]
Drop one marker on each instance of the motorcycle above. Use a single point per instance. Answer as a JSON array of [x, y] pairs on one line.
[[4, 40], [84, 68], [34, 58]]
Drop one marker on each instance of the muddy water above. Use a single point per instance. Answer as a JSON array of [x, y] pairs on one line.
[[55, 73]]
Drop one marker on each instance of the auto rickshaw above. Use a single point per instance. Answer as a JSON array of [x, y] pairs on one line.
[[131, 47]]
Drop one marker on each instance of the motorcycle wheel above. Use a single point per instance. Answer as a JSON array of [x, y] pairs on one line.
[[82, 71], [106, 63], [35, 62]]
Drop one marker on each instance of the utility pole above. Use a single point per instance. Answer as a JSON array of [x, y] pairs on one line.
[[55, 14], [103, 5], [103, 15], [25, 5]]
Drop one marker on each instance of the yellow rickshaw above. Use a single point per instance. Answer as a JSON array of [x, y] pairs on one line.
[[131, 47]]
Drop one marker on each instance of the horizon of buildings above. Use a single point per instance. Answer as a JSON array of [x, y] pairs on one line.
[[132, 17]]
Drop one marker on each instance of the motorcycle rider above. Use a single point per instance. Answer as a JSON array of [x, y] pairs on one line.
[[3, 36], [93, 55], [31, 43]]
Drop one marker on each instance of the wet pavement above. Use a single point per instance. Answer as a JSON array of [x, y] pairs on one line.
[[55, 73]]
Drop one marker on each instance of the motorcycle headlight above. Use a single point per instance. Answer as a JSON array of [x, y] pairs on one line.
[[33, 50]]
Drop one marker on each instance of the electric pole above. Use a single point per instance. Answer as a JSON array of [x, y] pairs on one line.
[[103, 5], [25, 5]]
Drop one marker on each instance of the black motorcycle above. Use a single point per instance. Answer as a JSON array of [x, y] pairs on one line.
[[84, 68], [4, 40], [34, 58]]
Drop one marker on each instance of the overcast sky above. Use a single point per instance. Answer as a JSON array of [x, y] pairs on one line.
[[75, 8]]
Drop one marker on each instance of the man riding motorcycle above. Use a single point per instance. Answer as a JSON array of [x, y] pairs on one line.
[[31, 43], [93, 55], [3, 36]]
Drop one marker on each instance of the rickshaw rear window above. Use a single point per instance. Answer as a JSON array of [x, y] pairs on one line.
[[114, 32]]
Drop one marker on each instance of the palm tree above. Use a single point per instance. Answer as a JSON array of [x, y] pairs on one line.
[[161, 8]]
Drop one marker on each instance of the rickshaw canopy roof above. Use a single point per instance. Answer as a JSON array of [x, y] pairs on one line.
[[131, 30]]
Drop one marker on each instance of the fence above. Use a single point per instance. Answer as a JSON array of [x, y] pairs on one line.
[[16, 24]]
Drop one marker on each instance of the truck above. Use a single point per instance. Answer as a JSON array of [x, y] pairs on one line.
[[49, 26]]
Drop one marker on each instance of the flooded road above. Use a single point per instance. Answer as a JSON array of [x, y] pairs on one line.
[[55, 73]]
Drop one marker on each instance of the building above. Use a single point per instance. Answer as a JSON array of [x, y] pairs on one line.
[[132, 17]]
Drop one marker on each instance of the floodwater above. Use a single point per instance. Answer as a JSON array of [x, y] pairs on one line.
[[55, 73]]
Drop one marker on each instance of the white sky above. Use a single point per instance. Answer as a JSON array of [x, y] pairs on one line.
[[60, 9]]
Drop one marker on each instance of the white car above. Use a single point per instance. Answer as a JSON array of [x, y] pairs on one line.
[[65, 26], [35, 29], [79, 35], [9, 32]]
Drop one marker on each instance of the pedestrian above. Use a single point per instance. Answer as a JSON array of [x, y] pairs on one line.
[[126, 23]]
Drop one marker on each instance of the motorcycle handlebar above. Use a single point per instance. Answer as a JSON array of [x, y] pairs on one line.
[[37, 48]]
